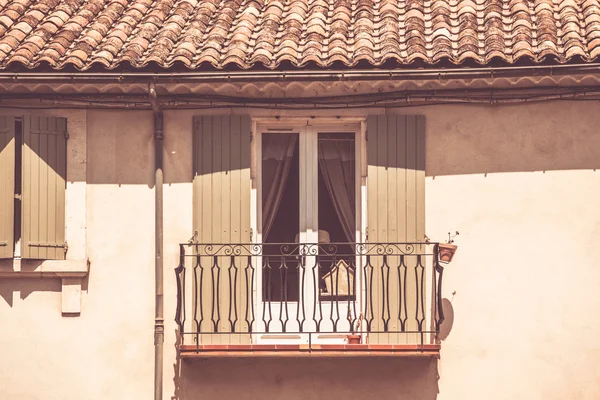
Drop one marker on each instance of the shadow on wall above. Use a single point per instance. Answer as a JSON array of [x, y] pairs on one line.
[[177, 380], [120, 147], [308, 379], [316, 378], [537, 137], [446, 326], [25, 287], [459, 140]]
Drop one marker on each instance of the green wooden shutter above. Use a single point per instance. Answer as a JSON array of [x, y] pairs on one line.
[[43, 192], [395, 213], [7, 186], [222, 215]]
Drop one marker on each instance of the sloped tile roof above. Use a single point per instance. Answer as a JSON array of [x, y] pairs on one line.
[[246, 33]]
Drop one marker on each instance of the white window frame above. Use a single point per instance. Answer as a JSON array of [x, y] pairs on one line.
[[308, 130]]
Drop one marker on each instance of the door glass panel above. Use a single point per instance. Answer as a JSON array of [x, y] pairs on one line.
[[337, 215], [280, 216]]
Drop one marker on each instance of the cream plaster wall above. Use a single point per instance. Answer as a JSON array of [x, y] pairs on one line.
[[519, 183], [42, 350]]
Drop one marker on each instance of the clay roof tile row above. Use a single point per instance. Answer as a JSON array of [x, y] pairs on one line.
[[82, 33]]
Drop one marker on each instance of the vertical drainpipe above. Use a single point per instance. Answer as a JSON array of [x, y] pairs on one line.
[[159, 325]]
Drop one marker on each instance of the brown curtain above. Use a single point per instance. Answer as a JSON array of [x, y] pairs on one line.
[[336, 160], [277, 153]]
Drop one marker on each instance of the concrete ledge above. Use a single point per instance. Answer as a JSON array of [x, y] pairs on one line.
[[49, 268], [71, 273]]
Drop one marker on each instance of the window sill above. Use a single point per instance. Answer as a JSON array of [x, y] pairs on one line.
[[71, 272]]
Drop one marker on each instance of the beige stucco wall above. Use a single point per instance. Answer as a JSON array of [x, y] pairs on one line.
[[518, 182]]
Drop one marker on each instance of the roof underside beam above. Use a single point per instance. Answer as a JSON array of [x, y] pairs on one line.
[[328, 99]]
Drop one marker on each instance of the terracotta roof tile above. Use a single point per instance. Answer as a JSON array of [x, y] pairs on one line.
[[82, 33]]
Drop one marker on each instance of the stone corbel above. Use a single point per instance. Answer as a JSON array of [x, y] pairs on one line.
[[71, 273]]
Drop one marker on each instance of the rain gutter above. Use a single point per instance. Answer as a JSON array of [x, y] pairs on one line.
[[301, 75]]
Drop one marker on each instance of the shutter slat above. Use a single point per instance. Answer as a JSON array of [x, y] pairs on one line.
[[44, 214], [222, 215], [7, 186], [52, 194], [25, 187], [420, 196], [411, 178], [411, 221], [44, 185], [383, 171], [395, 213]]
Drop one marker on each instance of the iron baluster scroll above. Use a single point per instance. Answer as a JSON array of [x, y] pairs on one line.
[[235, 293]]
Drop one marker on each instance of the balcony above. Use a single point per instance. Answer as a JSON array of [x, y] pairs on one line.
[[335, 299]]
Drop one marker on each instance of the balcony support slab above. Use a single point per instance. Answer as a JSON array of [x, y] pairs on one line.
[[314, 350]]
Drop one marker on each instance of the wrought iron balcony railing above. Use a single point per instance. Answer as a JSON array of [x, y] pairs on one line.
[[371, 293]]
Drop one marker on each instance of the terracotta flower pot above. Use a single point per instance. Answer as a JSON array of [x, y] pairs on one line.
[[447, 252], [353, 339]]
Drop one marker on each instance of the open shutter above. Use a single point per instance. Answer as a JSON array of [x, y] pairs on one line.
[[7, 186], [43, 192], [396, 213], [222, 215]]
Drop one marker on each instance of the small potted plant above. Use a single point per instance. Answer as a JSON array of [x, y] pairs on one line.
[[355, 337], [448, 249]]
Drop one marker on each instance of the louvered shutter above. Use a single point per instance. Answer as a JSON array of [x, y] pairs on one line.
[[396, 213], [43, 191], [222, 215], [7, 186]]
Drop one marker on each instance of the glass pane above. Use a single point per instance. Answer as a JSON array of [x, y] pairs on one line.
[[337, 215], [281, 215]]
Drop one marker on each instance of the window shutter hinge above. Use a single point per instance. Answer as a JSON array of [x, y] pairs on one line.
[[49, 245], [67, 136], [194, 238]]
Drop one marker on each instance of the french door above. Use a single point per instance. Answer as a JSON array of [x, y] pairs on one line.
[[307, 212]]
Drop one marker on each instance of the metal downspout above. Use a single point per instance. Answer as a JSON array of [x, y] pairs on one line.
[[159, 325]]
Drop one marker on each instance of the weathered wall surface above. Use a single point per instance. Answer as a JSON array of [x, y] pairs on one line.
[[519, 183], [311, 379], [43, 353]]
